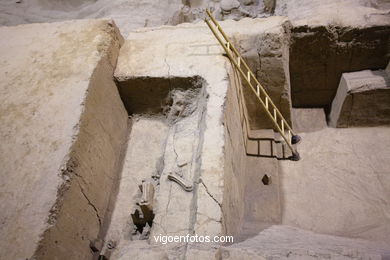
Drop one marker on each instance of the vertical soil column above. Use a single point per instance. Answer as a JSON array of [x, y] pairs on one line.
[[78, 217]]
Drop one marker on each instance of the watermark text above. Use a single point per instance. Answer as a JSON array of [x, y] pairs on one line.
[[165, 239]]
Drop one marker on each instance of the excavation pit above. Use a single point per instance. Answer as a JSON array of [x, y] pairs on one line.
[[166, 117], [181, 112]]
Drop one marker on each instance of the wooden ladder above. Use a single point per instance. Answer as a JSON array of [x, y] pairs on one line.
[[239, 63]]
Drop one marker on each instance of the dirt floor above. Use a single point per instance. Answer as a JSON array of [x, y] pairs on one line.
[[341, 185], [107, 141]]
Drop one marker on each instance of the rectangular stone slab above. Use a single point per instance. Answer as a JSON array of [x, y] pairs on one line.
[[362, 99], [329, 38]]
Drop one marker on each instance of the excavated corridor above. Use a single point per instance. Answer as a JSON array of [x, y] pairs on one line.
[[109, 143]]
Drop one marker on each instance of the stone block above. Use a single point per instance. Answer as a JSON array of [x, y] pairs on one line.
[[329, 38], [362, 99]]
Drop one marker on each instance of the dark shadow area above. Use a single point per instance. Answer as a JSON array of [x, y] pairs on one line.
[[145, 95], [266, 180], [267, 148]]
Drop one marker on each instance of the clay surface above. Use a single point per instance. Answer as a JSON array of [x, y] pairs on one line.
[[47, 71], [264, 44], [193, 144], [245, 151], [340, 186], [330, 38], [99, 157], [308, 119], [285, 242], [130, 15]]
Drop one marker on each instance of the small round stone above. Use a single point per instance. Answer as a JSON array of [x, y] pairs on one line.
[[228, 5]]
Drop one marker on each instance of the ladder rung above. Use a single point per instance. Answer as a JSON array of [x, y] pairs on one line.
[[232, 53]]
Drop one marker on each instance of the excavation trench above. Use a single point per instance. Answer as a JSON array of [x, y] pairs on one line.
[[161, 164], [167, 118], [261, 189], [190, 164], [158, 187]]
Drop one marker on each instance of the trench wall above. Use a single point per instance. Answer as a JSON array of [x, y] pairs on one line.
[[249, 205], [78, 217], [319, 55], [235, 161], [63, 126]]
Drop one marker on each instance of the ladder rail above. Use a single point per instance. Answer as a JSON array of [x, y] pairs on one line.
[[262, 89], [244, 121], [229, 49]]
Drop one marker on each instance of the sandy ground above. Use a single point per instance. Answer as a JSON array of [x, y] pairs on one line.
[[341, 186], [131, 14], [137, 167], [128, 15], [286, 242], [355, 13]]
